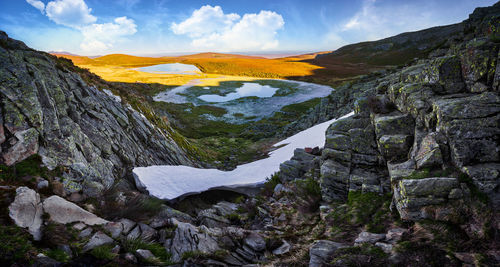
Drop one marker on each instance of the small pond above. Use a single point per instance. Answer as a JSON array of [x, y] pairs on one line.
[[171, 68], [247, 89]]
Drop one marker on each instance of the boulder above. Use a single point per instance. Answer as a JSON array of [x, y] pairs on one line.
[[98, 239], [321, 252], [255, 242], [63, 211], [26, 211]]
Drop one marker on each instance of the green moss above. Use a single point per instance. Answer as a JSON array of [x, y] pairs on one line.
[[195, 254], [103, 252], [133, 244], [31, 166], [15, 246]]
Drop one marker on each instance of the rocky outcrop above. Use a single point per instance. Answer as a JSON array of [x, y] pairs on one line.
[[26, 211], [47, 109]]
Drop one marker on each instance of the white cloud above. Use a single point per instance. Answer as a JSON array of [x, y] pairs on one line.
[[97, 38], [71, 13], [101, 37], [205, 20], [210, 28], [37, 4]]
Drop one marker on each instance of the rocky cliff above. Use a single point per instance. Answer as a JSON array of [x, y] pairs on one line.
[[92, 135], [411, 179]]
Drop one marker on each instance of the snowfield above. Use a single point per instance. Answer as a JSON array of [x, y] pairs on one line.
[[169, 182]]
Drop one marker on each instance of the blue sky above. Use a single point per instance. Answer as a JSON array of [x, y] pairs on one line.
[[141, 27]]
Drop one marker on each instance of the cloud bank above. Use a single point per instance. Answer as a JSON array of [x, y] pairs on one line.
[[97, 38], [210, 28]]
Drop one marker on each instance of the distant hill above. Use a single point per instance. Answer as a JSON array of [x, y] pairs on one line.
[[361, 58]]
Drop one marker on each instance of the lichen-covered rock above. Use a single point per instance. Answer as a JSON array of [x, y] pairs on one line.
[[395, 147], [26, 211], [393, 123], [486, 177], [49, 110], [426, 198], [63, 211], [429, 154]]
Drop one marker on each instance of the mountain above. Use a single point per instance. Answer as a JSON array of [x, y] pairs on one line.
[[411, 178], [49, 110]]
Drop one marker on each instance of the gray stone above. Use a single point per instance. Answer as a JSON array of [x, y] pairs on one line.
[[394, 123], [187, 237], [144, 254], [85, 233], [429, 154], [487, 179], [130, 257], [283, 249], [98, 239], [398, 171], [255, 241], [26, 211], [135, 233], [395, 147], [42, 184], [321, 252], [366, 237], [147, 233], [394, 235], [114, 228], [210, 219], [127, 225], [116, 249], [387, 248], [79, 226], [63, 211]]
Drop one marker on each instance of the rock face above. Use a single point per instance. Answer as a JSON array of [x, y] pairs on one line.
[[417, 129], [63, 211], [49, 110], [26, 211]]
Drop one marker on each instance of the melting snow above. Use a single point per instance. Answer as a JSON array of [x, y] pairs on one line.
[[169, 182]]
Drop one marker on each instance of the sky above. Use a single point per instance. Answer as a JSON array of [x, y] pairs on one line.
[[155, 27]]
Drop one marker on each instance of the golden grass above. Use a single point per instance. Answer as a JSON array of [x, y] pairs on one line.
[[215, 67]]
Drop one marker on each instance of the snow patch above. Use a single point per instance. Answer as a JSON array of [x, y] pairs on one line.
[[169, 182]]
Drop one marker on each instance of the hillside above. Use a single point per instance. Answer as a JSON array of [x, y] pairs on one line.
[[409, 174]]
